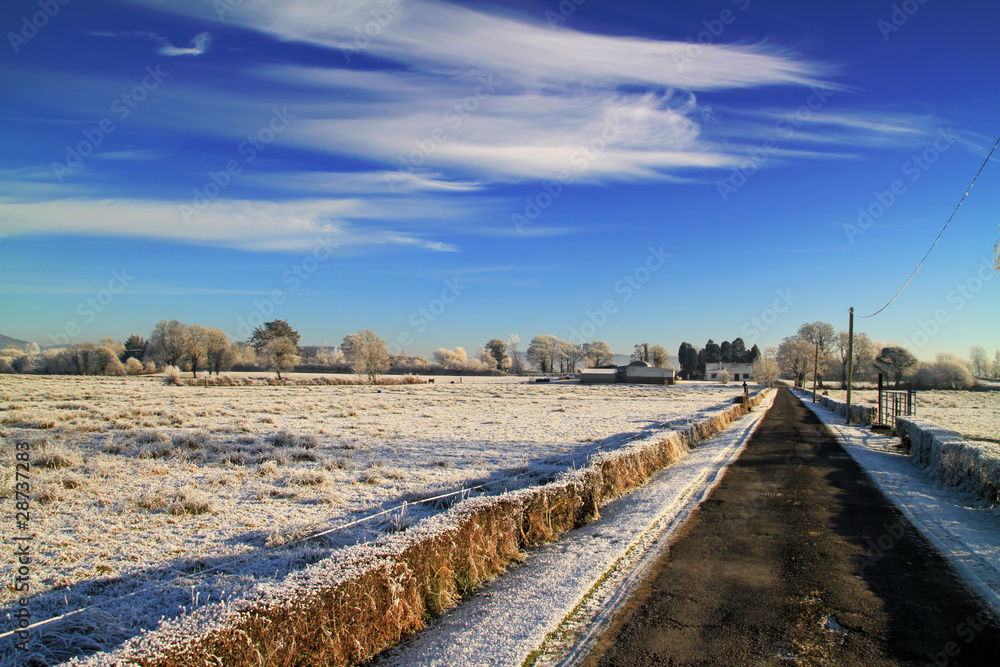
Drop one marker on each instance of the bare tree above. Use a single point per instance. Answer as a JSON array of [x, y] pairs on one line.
[[195, 346], [167, 343], [821, 336], [366, 353], [280, 354], [864, 354], [544, 351], [219, 352], [978, 361], [795, 357], [572, 354], [765, 371], [641, 352], [515, 358], [659, 356]]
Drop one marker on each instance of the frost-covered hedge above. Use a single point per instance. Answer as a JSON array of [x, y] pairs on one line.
[[860, 414], [363, 599], [952, 459]]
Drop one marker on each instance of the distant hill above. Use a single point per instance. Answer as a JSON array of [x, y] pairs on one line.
[[7, 341]]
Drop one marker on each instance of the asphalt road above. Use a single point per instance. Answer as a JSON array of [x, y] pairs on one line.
[[796, 559]]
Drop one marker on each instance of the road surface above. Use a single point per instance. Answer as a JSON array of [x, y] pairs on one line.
[[796, 559]]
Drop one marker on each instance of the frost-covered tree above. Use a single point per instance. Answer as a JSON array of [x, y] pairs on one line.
[[513, 341], [195, 348], [219, 352], [795, 358], [597, 353], [486, 358], [273, 329], [821, 336], [498, 349], [451, 359], [659, 356], [167, 343], [641, 352], [280, 355], [543, 352], [366, 353], [765, 371], [978, 361], [113, 345]]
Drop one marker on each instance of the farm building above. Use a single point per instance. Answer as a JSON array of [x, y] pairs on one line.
[[637, 372], [737, 372]]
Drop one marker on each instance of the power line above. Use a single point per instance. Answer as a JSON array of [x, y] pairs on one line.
[[938, 236]]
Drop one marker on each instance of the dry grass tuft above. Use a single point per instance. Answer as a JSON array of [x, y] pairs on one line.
[[308, 478], [57, 456], [189, 500]]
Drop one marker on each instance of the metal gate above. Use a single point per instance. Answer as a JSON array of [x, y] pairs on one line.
[[892, 404]]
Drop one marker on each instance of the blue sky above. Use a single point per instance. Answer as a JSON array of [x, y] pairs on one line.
[[446, 173]]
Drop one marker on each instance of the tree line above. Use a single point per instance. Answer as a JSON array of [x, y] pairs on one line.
[[818, 352], [815, 351]]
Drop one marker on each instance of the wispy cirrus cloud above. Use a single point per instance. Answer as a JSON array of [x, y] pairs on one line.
[[292, 226], [459, 100], [199, 43]]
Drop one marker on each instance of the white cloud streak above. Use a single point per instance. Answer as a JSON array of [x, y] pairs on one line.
[[292, 226]]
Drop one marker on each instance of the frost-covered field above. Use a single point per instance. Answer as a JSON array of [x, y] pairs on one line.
[[973, 414], [177, 496]]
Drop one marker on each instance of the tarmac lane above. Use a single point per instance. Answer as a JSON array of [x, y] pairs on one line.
[[797, 559]]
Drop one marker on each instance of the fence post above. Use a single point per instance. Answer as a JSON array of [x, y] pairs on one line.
[[880, 399]]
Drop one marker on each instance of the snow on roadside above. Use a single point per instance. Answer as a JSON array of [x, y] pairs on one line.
[[966, 534], [552, 607]]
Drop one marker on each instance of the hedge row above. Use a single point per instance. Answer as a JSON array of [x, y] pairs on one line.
[[364, 599], [951, 459]]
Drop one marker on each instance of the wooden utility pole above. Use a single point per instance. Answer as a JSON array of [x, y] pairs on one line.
[[850, 360], [815, 369]]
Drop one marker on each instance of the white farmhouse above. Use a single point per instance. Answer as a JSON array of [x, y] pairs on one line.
[[737, 372]]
